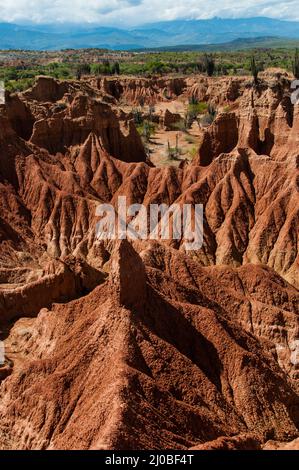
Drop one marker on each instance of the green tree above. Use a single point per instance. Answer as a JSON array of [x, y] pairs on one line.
[[96, 69], [156, 67]]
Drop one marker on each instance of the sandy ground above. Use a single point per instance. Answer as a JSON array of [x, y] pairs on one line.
[[187, 145], [188, 142]]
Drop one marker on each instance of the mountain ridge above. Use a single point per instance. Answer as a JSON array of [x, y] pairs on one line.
[[153, 35]]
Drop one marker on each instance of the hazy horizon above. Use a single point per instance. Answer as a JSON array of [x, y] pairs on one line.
[[134, 13]]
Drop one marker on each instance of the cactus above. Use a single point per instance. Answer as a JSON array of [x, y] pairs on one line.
[[115, 70], [177, 150], [296, 64], [209, 64], [254, 70]]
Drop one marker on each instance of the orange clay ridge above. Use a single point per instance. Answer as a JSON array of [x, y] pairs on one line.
[[141, 345]]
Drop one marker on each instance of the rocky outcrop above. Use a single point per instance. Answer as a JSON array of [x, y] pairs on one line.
[[250, 201], [47, 89], [20, 116], [171, 120], [221, 137], [142, 91], [127, 275], [241, 442], [261, 118], [59, 282], [173, 372], [175, 350], [84, 116], [272, 445]]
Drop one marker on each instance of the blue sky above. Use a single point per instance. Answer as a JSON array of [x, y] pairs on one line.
[[134, 12]]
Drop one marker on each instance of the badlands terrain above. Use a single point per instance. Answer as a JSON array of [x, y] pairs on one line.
[[119, 345]]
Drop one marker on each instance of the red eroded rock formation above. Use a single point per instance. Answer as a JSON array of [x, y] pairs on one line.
[[83, 116], [182, 373], [171, 120], [262, 119], [142, 91], [141, 345]]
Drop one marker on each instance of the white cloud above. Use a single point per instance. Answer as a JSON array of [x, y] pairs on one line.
[[134, 12]]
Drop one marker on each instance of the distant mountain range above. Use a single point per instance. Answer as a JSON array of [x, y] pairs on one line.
[[235, 45], [158, 35]]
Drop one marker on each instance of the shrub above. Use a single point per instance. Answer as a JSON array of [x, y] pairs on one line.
[[137, 116], [146, 130], [193, 152], [18, 85], [226, 109], [194, 110], [190, 139], [198, 108]]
